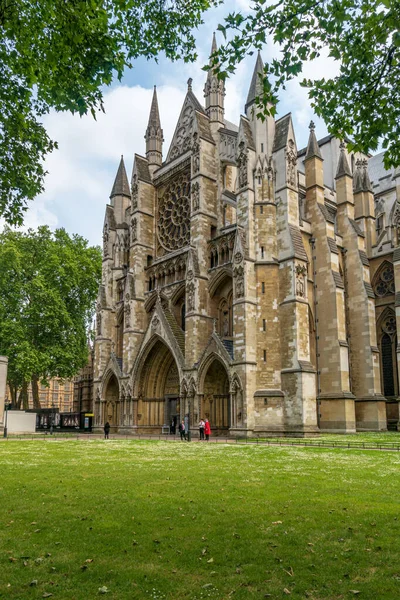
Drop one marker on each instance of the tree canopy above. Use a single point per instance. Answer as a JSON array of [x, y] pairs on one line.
[[362, 101], [48, 287], [59, 54]]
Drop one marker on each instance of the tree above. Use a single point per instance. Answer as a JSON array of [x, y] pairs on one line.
[[48, 287], [362, 102], [59, 54]]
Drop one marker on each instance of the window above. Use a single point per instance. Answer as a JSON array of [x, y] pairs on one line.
[[263, 287], [262, 251], [265, 355], [264, 325], [262, 147], [261, 210], [183, 316]]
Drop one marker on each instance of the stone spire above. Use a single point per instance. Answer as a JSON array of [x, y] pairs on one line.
[[154, 136], [366, 182], [121, 185], [343, 164], [312, 146], [214, 92], [256, 86]]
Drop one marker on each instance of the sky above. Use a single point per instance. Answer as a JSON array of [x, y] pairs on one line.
[[82, 171]]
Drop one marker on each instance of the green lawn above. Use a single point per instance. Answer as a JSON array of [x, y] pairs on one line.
[[176, 520]]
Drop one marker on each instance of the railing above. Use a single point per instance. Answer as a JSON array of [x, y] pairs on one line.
[[285, 442]]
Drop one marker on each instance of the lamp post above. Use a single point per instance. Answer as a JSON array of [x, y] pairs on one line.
[[6, 406]]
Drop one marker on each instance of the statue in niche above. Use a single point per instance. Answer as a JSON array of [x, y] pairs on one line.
[[242, 165], [291, 164], [195, 154], [225, 324], [134, 230], [105, 240], [134, 191], [301, 272]]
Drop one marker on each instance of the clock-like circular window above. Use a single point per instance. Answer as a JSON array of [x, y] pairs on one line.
[[174, 214]]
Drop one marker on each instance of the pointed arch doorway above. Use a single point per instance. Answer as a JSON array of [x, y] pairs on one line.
[[159, 390], [111, 402], [215, 405]]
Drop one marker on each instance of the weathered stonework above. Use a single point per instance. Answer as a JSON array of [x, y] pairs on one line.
[[239, 286]]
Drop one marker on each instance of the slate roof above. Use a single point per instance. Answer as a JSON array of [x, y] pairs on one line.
[[121, 184], [142, 168], [312, 146], [248, 133], [338, 279], [333, 246], [281, 132], [256, 87], [297, 242]]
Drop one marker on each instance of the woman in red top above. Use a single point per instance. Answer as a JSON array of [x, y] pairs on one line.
[[207, 430]]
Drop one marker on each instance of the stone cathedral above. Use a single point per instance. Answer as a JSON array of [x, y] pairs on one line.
[[248, 281]]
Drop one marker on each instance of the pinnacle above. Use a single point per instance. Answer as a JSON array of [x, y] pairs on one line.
[[256, 82], [154, 118], [214, 46], [367, 185], [121, 185], [313, 147], [343, 164]]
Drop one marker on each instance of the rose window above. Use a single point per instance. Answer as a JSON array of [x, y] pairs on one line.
[[174, 214]]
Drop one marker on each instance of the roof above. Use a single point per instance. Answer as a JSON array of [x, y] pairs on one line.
[[142, 168], [281, 132], [312, 146], [230, 126], [343, 164], [247, 132], [256, 87], [121, 184], [381, 178]]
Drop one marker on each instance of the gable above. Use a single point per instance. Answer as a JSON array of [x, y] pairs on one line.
[[182, 138]]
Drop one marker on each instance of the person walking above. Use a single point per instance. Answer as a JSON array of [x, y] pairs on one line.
[[207, 430], [201, 429], [182, 430], [106, 430]]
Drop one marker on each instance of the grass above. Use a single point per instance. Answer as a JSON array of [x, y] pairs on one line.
[[162, 521]]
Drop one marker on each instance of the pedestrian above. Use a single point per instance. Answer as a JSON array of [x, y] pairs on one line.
[[182, 430], [201, 429], [207, 429], [106, 430]]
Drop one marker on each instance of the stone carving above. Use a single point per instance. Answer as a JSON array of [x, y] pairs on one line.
[[238, 257], [181, 141], [174, 214], [98, 323], [291, 164], [227, 146], [384, 286], [301, 272], [134, 192], [190, 293], [155, 322], [133, 230], [196, 196], [195, 154], [242, 165], [238, 275], [127, 310], [106, 237]]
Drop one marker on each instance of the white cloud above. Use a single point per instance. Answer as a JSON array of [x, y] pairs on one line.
[[82, 171]]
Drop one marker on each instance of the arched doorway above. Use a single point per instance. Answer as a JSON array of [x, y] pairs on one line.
[[111, 402], [215, 405], [159, 389]]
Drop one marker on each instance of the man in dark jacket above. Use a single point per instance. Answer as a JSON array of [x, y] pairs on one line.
[[106, 430]]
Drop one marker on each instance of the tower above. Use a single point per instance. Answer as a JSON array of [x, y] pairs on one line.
[[154, 136]]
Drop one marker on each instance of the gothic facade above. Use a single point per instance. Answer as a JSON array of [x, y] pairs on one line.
[[247, 281]]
